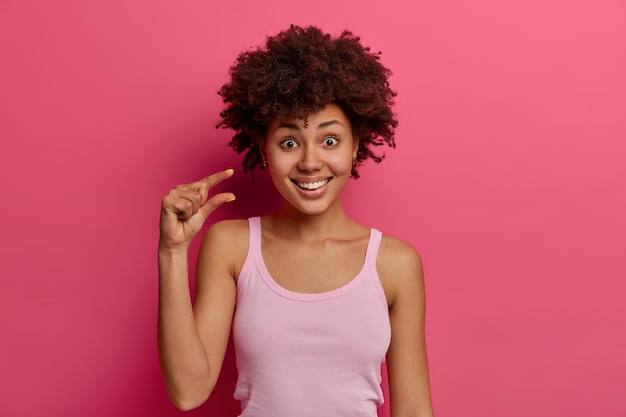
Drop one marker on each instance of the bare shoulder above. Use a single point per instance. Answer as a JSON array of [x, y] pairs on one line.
[[396, 255], [399, 266], [227, 235], [225, 243], [235, 229]]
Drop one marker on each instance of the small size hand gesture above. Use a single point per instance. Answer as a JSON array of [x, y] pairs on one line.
[[185, 209]]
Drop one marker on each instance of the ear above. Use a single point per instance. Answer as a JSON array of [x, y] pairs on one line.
[[355, 146], [262, 153], [261, 145]]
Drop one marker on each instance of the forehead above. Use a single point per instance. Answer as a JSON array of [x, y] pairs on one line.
[[331, 115]]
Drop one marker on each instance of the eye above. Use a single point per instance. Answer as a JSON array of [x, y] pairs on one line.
[[288, 144], [330, 141]]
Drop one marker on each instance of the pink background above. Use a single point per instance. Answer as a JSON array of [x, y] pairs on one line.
[[508, 177]]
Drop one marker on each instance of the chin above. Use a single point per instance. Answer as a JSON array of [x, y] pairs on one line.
[[311, 208]]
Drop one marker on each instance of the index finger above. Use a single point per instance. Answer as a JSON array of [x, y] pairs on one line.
[[203, 186], [214, 179]]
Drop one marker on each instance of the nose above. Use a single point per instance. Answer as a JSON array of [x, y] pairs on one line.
[[311, 160]]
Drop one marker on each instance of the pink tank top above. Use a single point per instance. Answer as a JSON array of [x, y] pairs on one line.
[[309, 355]]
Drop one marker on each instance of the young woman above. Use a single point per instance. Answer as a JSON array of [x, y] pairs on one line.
[[315, 300]]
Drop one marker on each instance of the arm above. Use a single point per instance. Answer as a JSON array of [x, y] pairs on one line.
[[400, 269], [190, 367]]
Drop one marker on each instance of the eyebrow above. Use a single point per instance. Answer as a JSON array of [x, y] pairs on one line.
[[293, 126]]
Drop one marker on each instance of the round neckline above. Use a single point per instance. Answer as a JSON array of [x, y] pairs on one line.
[[312, 296]]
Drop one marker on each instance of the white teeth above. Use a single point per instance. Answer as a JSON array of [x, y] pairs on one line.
[[312, 185]]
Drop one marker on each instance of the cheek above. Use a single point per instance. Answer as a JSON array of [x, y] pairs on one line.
[[342, 161], [279, 170], [280, 163]]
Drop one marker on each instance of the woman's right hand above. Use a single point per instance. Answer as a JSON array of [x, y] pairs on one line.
[[185, 209]]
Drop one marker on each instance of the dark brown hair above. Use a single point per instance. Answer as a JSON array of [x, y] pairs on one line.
[[300, 71]]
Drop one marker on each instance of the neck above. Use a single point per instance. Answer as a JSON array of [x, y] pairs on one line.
[[312, 227]]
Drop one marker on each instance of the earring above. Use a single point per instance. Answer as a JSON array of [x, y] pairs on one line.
[[264, 164]]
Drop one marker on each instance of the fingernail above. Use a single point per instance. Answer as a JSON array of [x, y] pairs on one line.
[[233, 198], [229, 171]]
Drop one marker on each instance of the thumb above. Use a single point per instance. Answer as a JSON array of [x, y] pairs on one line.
[[214, 202]]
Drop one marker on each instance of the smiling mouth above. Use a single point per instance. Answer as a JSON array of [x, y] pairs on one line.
[[312, 185]]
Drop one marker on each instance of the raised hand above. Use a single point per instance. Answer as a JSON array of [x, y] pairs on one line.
[[185, 209]]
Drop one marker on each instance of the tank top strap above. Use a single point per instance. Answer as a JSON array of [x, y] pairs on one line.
[[370, 263], [372, 248], [254, 251], [255, 234]]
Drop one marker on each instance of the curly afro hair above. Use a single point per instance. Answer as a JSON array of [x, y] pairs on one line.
[[299, 72]]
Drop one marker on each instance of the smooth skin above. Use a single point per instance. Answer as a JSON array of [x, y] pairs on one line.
[[310, 245]]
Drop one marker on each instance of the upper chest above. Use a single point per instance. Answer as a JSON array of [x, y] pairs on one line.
[[313, 268]]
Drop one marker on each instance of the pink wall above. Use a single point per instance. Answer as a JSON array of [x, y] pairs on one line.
[[508, 177]]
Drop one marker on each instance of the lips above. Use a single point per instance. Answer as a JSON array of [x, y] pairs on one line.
[[312, 185]]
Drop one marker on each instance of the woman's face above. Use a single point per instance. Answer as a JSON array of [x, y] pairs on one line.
[[310, 165]]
